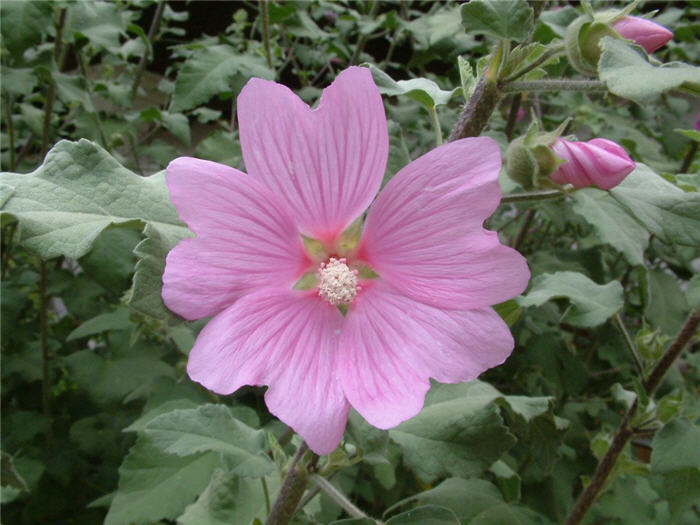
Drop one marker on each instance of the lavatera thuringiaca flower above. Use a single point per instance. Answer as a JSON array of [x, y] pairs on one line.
[[327, 312]]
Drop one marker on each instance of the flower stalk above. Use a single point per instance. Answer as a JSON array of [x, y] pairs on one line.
[[557, 84], [436, 126], [292, 489], [264, 11], [624, 431], [152, 32], [533, 196], [337, 496]]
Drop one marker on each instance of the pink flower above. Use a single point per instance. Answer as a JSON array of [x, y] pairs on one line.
[[650, 35], [599, 161], [313, 172]]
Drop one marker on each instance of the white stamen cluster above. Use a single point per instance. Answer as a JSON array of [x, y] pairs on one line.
[[337, 283]]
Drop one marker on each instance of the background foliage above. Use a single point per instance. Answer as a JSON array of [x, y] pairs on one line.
[[100, 421]]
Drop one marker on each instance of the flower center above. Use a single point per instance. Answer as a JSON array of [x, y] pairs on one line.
[[337, 283]]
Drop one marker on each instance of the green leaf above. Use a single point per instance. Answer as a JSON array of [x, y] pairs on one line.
[[214, 70], [175, 123], [613, 224], [425, 515], [227, 500], [117, 320], [422, 90], [692, 293], [505, 19], [154, 485], [211, 428], [18, 81], [692, 134], [676, 457], [670, 213], [459, 432], [675, 447], [79, 191], [591, 304], [23, 24], [100, 22], [628, 73], [509, 311], [111, 379], [667, 308]]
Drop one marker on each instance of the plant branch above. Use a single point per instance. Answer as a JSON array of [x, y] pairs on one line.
[[337, 496], [98, 120], [624, 432], [533, 196], [292, 489], [363, 38], [152, 32], [557, 84], [523, 229], [436, 126], [688, 160], [51, 89], [513, 114]]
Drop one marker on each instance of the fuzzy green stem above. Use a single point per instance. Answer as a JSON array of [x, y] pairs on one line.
[[337, 496], [558, 84], [688, 160], [264, 11], [513, 115], [436, 126], [152, 32], [266, 493], [98, 120], [523, 229], [533, 196], [292, 489], [624, 432]]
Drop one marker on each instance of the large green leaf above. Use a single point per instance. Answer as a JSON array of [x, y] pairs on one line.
[[670, 213], [227, 500], [459, 432], [613, 224], [211, 428], [215, 70], [23, 24], [628, 73], [422, 90], [78, 192], [506, 19], [154, 485], [667, 308], [591, 304], [425, 515], [676, 458]]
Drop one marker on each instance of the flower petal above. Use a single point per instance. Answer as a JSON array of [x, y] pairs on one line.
[[289, 341], [392, 344], [246, 238], [327, 162], [424, 232]]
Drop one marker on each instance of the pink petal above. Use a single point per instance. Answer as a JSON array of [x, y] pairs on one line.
[[424, 232], [392, 344], [650, 35], [289, 341], [328, 163], [246, 238]]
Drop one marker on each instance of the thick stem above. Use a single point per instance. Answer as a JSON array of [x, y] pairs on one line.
[[513, 114], [533, 196], [436, 126], [152, 32], [477, 112], [337, 496], [291, 491], [555, 85], [51, 89], [623, 434], [266, 31]]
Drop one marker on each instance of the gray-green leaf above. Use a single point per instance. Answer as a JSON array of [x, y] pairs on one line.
[[628, 73], [506, 19], [591, 304], [422, 90]]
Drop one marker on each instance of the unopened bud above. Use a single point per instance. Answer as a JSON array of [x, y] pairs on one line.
[[650, 35], [599, 162]]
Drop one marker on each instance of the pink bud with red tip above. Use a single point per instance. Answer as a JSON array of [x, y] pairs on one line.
[[650, 35], [599, 161]]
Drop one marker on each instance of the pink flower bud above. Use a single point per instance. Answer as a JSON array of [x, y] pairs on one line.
[[599, 161], [650, 35]]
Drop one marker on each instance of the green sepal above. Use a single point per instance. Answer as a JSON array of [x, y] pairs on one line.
[[572, 42], [307, 282], [349, 239]]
